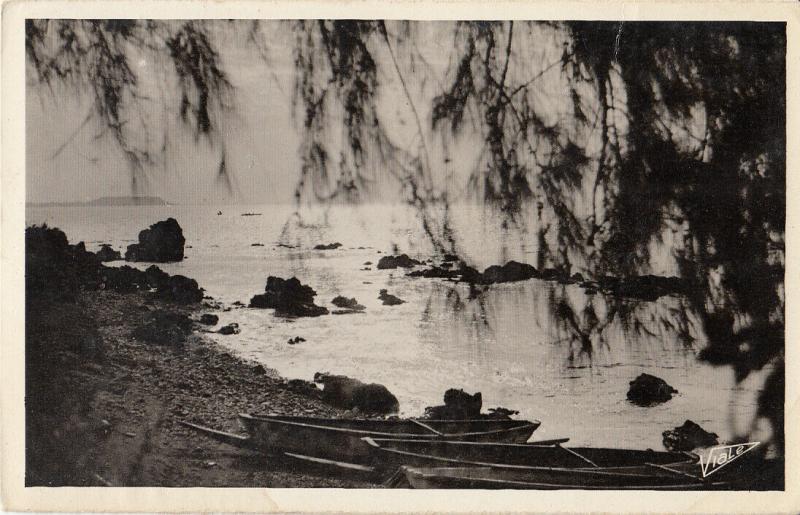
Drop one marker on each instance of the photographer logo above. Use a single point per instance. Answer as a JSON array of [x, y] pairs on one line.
[[722, 455]]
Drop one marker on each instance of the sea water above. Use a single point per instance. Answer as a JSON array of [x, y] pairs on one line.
[[504, 342]]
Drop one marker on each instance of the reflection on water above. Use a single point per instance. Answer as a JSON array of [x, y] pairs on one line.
[[550, 351]]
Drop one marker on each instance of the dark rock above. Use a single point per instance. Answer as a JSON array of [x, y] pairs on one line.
[[577, 277], [163, 242], [510, 272], [164, 328], [457, 405], [389, 299], [229, 329], [391, 262], [329, 246], [256, 244], [55, 267], [304, 387], [156, 278], [688, 437], [209, 319], [259, 369], [180, 289], [647, 390], [469, 275], [449, 258], [435, 272], [344, 302], [124, 279], [347, 393], [106, 253], [295, 340], [367, 263], [288, 297]]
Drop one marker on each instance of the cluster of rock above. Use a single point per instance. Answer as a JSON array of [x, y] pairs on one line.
[[328, 246], [163, 242], [401, 261], [288, 297], [645, 287], [173, 288], [460, 405], [58, 268], [648, 390], [55, 268]]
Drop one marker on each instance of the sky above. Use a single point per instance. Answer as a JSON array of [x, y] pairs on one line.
[[72, 157], [68, 160]]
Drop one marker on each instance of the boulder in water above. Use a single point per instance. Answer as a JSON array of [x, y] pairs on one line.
[[351, 303], [688, 437], [510, 272], [288, 297], [328, 246], [229, 329], [162, 243], [647, 390], [391, 262], [388, 299]]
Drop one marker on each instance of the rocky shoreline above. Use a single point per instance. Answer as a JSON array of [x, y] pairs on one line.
[[103, 402]]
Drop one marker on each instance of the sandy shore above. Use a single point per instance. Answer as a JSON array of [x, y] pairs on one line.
[[110, 416]]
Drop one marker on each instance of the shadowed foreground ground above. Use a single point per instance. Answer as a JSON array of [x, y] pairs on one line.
[[112, 419]]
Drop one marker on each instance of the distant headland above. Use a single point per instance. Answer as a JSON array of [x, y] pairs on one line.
[[107, 201]]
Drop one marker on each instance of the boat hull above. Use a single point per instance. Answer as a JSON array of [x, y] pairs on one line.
[[343, 439], [488, 478], [388, 453]]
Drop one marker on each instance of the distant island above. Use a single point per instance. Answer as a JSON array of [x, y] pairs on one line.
[[107, 201]]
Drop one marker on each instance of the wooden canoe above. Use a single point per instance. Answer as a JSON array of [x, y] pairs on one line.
[[390, 453], [342, 439], [542, 479]]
